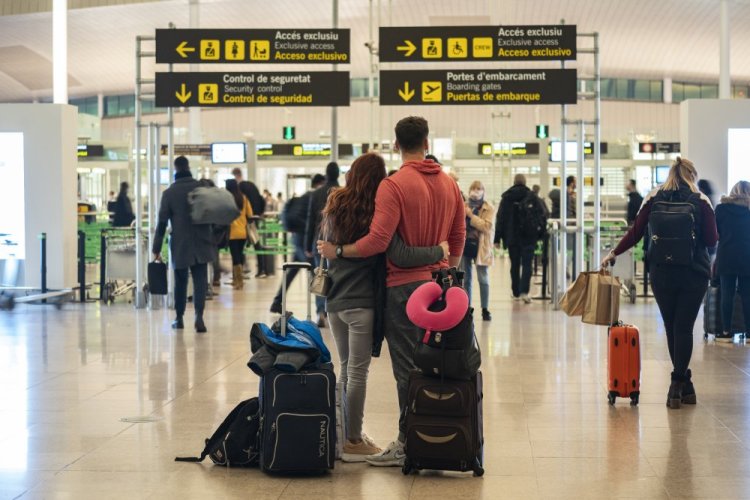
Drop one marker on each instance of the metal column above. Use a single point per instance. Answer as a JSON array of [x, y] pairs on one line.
[[579, 264], [597, 156], [140, 299], [334, 110]]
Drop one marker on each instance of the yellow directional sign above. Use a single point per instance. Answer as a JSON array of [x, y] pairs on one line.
[[210, 50], [183, 49], [182, 95], [208, 93], [260, 50], [406, 94], [407, 48], [432, 48], [432, 91], [458, 48], [234, 50]]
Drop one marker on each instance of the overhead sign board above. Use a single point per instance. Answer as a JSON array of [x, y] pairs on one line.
[[658, 147], [305, 149], [490, 86], [188, 149], [508, 149], [263, 46], [478, 43], [304, 88]]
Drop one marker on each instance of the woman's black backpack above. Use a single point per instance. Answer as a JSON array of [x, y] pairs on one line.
[[235, 442], [672, 230]]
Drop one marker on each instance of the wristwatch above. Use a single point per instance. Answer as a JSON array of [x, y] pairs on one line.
[[339, 251]]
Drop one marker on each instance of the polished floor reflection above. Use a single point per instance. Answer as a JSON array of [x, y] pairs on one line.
[[96, 402]]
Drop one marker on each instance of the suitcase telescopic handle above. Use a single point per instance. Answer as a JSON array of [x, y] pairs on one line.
[[286, 267], [296, 265]]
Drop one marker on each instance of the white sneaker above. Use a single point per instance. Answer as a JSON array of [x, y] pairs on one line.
[[392, 456], [514, 298], [526, 299]]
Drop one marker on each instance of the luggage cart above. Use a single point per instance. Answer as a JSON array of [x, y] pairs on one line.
[[119, 252]]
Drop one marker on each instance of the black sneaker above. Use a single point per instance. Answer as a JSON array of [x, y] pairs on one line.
[[178, 324], [200, 326], [486, 316], [725, 337], [276, 308]]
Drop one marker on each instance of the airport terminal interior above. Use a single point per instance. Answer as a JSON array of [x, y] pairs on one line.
[[165, 164]]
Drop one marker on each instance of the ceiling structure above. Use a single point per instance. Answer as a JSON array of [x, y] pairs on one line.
[[639, 38]]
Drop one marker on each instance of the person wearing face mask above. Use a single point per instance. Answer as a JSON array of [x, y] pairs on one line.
[[480, 216]]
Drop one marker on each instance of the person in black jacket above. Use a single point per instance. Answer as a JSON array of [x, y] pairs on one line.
[[318, 200], [298, 238], [635, 200], [732, 264], [258, 204], [123, 208], [520, 244], [679, 288]]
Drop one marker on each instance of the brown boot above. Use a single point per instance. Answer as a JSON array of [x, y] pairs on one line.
[[238, 281]]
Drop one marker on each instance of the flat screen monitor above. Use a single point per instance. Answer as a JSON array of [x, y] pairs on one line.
[[738, 151], [662, 172], [228, 152], [12, 202]]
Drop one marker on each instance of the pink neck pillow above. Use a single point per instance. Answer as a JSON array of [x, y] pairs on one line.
[[456, 305]]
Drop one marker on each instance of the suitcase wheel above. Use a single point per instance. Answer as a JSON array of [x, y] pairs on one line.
[[406, 469], [478, 469], [612, 397], [634, 397]]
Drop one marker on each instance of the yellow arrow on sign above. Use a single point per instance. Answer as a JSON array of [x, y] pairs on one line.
[[408, 48], [183, 49], [183, 96], [406, 94]]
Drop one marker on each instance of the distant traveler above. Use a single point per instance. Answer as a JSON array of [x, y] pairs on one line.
[[521, 222], [353, 301], [279, 202], [635, 200], [705, 187], [480, 224], [554, 195], [679, 264], [238, 233], [294, 219], [258, 204], [536, 188], [192, 246], [123, 208], [424, 206], [318, 200], [733, 256], [271, 204]]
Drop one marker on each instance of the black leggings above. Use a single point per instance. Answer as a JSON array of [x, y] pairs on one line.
[[237, 248], [679, 292]]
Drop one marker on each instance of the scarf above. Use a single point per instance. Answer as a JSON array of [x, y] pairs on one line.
[[475, 205]]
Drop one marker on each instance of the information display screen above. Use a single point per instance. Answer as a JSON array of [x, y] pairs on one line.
[[738, 151], [12, 213], [661, 174], [228, 152]]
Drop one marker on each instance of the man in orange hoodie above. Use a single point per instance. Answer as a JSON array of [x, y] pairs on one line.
[[425, 207]]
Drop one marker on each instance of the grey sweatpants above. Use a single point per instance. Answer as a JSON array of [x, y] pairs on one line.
[[352, 331], [402, 337]]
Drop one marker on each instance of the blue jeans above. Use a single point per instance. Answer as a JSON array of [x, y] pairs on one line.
[[482, 277], [731, 284]]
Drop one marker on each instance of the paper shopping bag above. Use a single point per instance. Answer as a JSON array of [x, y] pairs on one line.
[[602, 305], [575, 297]]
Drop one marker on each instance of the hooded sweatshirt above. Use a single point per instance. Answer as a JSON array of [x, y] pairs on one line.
[[733, 222], [425, 206]]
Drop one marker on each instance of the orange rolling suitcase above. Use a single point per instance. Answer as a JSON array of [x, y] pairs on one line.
[[624, 363]]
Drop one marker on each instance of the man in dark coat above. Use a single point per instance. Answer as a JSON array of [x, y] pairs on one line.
[[318, 200], [123, 208], [510, 232], [192, 246], [635, 200]]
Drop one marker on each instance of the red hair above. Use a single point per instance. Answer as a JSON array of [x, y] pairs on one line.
[[349, 211]]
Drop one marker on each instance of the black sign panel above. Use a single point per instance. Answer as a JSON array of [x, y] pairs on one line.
[[478, 43], [189, 150], [305, 88], [491, 86], [658, 147], [262, 46]]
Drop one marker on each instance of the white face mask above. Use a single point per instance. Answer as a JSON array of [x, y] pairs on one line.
[[476, 194]]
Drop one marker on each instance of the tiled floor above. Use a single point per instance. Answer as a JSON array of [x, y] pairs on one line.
[[68, 378]]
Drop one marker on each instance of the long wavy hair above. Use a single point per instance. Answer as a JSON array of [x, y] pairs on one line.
[[348, 213]]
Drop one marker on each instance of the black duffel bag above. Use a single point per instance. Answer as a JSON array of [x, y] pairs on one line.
[[453, 353]]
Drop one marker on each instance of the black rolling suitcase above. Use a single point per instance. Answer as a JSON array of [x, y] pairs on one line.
[[298, 413], [444, 424]]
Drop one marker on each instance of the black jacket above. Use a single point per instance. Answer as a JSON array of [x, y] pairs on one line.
[[253, 195], [733, 222], [507, 227], [318, 200], [123, 210], [635, 200]]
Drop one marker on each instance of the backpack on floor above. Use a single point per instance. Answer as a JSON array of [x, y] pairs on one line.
[[672, 230], [235, 442]]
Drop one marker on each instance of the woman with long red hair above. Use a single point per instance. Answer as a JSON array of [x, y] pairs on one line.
[[354, 301]]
